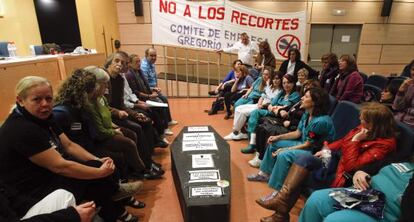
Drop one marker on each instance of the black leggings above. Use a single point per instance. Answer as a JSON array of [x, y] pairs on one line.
[[230, 98]]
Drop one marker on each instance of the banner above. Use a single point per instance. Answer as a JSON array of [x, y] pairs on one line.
[[217, 25]]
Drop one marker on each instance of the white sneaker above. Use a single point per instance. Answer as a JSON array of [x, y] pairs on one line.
[[173, 122], [240, 136], [168, 132], [255, 162], [229, 137]]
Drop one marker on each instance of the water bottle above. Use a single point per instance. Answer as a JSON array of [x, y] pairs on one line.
[[10, 49], [326, 154], [14, 49]]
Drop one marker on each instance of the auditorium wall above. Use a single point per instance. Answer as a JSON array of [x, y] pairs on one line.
[[386, 43], [19, 24]]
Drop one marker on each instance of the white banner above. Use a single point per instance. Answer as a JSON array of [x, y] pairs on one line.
[[217, 25]]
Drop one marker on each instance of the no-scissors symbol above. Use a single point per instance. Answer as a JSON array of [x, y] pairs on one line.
[[285, 42]]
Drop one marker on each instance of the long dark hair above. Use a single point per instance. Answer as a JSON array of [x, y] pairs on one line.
[[320, 100], [297, 52]]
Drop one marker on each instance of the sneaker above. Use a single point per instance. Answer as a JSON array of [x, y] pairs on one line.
[[168, 132], [229, 137], [240, 136], [127, 190], [173, 122], [250, 149], [258, 177], [255, 162]]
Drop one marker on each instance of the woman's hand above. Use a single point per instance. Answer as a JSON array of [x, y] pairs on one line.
[[107, 168], [270, 108], [118, 131], [244, 96], [86, 211], [404, 86], [278, 151], [273, 139], [122, 114], [286, 123], [318, 154], [360, 180], [361, 135], [283, 113]]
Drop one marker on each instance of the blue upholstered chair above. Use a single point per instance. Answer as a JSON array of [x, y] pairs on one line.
[[378, 81], [4, 52], [332, 104], [38, 50], [345, 117]]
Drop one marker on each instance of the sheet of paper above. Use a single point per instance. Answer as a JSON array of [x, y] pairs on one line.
[[197, 128], [199, 136], [206, 191], [202, 160], [199, 145], [198, 176], [155, 104]]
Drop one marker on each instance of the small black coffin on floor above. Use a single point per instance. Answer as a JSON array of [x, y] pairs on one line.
[[204, 208]]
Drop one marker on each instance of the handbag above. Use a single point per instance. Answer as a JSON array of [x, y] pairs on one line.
[[370, 201]]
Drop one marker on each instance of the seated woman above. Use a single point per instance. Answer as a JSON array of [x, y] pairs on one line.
[[37, 157], [369, 143], [329, 71], [315, 127], [388, 94], [111, 137], [223, 87], [286, 98], [396, 181], [302, 77], [242, 84], [350, 85], [254, 92], [404, 101], [286, 120], [272, 87], [265, 57]]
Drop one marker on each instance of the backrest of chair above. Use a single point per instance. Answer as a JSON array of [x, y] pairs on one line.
[[378, 81], [397, 81], [332, 104], [38, 50], [3, 49], [371, 93], [345, 117], [405, 140]]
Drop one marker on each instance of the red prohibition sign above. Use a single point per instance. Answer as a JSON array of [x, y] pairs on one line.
[[285, 42]]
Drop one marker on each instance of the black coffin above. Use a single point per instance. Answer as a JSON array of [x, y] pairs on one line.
[[200, 209]]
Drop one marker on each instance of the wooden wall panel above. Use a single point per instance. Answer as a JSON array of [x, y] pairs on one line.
[[356, 12], [126, 13], [385, 70], [402, 13], [135, 33], [387, 34], [397, 54], [369, 54], [275, 6]]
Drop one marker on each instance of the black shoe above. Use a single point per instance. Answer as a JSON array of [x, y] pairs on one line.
[[156, 164], [161, 144], [212, 112], [152, 174], [157, 168]]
